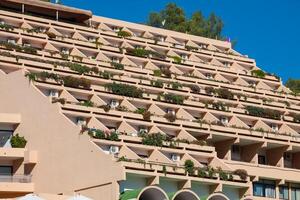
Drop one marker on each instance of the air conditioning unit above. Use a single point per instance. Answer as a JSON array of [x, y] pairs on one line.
[[116, 29], [175, 158], [161, 38], [27, 45], [11, 41], [65, 51], [92, 39], [80, 121], [224, 120], [171, 111], [226, 64], [92, 57], [287, 156], [143, 130], [184, 56], [114, 103], [134, 134], [42, 30], [53, 93], [113, 149], [115, 60], [209, 76], [252, 84], [274, 127]]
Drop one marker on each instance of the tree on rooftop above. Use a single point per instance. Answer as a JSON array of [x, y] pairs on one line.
[[173, 17], [294, 85]]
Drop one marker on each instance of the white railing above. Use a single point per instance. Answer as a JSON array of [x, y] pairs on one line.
[[15, 178]]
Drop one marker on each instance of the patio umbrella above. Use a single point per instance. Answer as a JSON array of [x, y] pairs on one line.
[[30, 197]]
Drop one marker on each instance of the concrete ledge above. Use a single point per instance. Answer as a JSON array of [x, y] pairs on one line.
[[10, 118]]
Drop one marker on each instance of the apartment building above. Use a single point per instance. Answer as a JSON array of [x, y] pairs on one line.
[[116, 110]]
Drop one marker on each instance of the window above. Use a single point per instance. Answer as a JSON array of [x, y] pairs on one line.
[[295, 193], [264, 188], [6, 170], [284, 192], [261, 159], [235, 152], [5, 138], [288, 159]]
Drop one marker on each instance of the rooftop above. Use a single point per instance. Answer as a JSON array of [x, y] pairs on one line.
[[47, 9]]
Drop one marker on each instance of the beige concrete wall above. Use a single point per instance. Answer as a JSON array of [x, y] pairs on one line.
[[67, 161]]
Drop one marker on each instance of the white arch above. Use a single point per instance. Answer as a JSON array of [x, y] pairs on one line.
[[185, 195], [248, 198], [152, 193], [217, 196]]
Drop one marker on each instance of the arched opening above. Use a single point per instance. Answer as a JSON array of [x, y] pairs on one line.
[[185, 195], [218, 196], [152, 193]]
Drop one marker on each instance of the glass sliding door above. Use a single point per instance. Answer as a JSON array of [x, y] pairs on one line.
[[5, 136]]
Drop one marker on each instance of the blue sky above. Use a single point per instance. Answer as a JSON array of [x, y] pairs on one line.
[[266, 30]]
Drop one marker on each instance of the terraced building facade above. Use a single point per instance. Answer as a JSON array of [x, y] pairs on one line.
[[116, 110]]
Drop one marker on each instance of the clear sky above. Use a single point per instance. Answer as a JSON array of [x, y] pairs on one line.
[[266, 30]]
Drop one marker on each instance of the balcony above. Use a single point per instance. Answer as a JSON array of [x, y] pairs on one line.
[[47, 10], [16, 183]]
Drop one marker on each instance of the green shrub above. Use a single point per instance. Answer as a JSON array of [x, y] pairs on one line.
[[157, 72], [293, 85], [70, 81], [195, 88], [140, 111], [113, 136], [125, 90], [209, 90], [118, 66], [106, 75], [177, 59], [224, 93], [140, 52], [176, 85], [123, 158], [201, 173], [219, 106], [17, 141], [157, 83], [155, 139], [7, 27], [98, 134], [190, 48], [258, 73], [261, 112], [81, 69], [242, 173], [211, 172], [124, 34], [172, 98], [189, 167], [87, 103], [223, 175]]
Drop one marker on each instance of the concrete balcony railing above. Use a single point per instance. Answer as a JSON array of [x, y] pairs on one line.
[[17, 178], [16, 183]]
